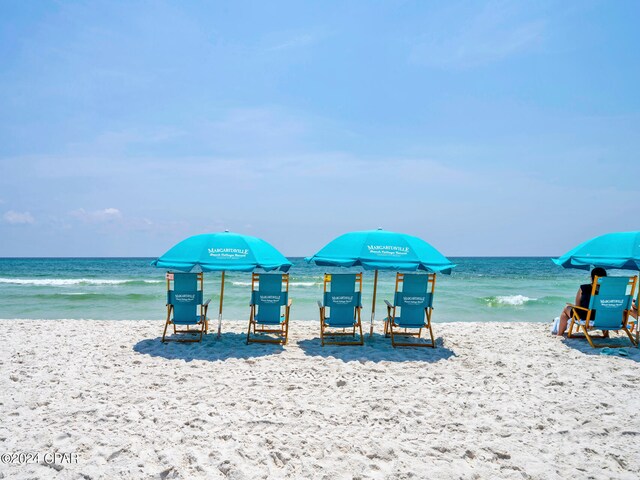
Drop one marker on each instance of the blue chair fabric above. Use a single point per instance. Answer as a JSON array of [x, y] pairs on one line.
[[412, 308], [185, 306], [270, 307]]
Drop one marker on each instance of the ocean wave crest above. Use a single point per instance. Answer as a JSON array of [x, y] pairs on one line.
[[62, 282], [89, 296], [291, 284], [508, 300]]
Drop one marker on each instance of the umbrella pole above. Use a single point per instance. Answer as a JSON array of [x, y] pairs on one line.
[[638, 313], [220, 310], [373, 304]]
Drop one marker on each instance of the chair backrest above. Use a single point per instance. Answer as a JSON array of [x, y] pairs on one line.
[[269, 292], [414, 293], [185, 296], [611, 300], [342, 295]]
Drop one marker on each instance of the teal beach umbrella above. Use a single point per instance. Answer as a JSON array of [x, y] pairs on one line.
[[220, 252], [381, 250], [612, 250]]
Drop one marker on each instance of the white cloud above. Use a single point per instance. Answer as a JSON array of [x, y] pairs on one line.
[[266, 126], [97, 216], [298, 41], [490, 35], [18, 218]]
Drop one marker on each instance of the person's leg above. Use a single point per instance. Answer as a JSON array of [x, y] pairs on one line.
[[564, 320]]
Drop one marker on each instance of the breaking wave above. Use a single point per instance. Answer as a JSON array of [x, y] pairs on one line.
[[76, 297], [508, 300], [62, 282]]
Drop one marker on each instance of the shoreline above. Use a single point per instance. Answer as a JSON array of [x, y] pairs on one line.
[[494, 400], [379, 322]]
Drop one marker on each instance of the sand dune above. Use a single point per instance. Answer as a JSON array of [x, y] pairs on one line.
[[493, 401]]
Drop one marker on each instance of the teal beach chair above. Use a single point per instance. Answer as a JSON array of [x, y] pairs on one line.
[[608, 310], [340, 309], [185, 307], [411, 309], [270, 307]]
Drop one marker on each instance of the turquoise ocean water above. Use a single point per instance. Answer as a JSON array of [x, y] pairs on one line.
[[479, 289]]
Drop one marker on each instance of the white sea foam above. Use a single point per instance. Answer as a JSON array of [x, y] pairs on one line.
[[291, 284], [304, 284], [58, 282], [510, 300]]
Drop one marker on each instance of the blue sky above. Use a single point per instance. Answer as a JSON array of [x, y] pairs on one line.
[[486, 128]]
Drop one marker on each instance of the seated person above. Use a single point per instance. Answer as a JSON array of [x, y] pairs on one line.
[[582, 300]]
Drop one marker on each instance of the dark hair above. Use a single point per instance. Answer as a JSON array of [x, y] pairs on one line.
[[598, 272]]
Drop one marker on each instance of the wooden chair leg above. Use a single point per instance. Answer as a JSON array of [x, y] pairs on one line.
[[586, 334], [631, 338], [286, 333], [164, 334], [249, 332], [433, 340], [570, 331]]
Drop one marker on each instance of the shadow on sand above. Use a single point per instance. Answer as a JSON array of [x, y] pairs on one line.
[[619, 344], [376, 349], [230, 345]]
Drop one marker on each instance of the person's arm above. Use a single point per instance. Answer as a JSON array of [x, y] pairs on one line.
[[578, 297]]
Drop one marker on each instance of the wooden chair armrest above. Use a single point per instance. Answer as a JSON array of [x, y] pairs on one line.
[[205, 304], [388, 304], [320, 306], [578, 307], [290, 302]]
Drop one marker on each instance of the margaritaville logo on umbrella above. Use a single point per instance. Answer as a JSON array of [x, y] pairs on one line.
[[388, 250], [228, 252]]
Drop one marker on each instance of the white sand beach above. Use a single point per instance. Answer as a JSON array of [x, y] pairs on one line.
[[492, 401]]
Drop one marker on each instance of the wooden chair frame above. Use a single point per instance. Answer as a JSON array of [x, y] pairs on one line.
[[585, 327], [391, 329], [342, 332], [282, 333], [203, 323]]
